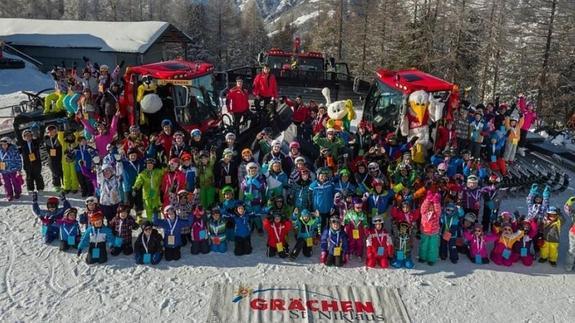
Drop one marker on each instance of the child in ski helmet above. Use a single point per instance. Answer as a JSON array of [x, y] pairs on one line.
[[307, 228], [379, 244], [355, 226], [172, 225], [334, 244], [69, 229], [450, 230], [502, 253], [148, 245], [49, 216], [551, 236]]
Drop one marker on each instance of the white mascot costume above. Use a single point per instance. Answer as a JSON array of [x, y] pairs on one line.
[[340, 113], [423, 109]]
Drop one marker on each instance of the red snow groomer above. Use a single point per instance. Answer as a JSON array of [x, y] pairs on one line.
[[181, 91], [388, 98]]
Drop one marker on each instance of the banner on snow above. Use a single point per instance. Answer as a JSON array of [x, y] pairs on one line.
[[305, 303]]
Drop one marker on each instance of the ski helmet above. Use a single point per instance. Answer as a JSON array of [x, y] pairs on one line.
[[71, 210], [196, 133], [470, 217], [305, 213], [377, 219], [91, 200], [52, 202], [294, 144]]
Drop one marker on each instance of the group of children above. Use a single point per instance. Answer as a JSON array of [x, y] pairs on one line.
[[365, 199]]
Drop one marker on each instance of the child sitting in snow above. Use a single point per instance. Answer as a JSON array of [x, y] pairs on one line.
[[502, 253], [172, 225], [122, 225], [96, 238], [148, 245], [334, 244], [50, 229], [69, 229]]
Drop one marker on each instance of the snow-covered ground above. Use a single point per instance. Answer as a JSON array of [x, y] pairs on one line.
[[13, 81], [24, 79], [40, 283]]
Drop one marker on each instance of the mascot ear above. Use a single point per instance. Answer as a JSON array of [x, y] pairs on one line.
[[350, 110]]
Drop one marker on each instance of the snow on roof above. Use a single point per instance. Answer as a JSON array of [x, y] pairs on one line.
[[126, 37]]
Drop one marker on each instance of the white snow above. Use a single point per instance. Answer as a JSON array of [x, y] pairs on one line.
[[302, 19], [128, 37], [23, 79], [13, 82], [40, 283]]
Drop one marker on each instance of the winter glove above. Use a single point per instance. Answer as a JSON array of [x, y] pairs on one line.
[[62, 195], [122, 64], [34, 196], [413, 140], [534, 188], [79, 252], [546, 192], [85, 59], [323, 257]]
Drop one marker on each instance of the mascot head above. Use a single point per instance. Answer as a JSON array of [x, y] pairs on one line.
[[337, 110], [418, 102]]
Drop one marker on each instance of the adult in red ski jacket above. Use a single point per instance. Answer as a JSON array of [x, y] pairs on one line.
[[265, 87], [237, 101]]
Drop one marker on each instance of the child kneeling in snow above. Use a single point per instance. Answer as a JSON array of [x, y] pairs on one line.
[[148, 245], [379, 244], [523, 246], [199, 234], [277, 230], [173, 226], [69, 229], [307, 229], [122, 225], [334, 244], [50, 229], [477, 241], [95, 238], [217, 231]]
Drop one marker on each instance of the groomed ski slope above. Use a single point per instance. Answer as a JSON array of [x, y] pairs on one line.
[[38, 283]]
